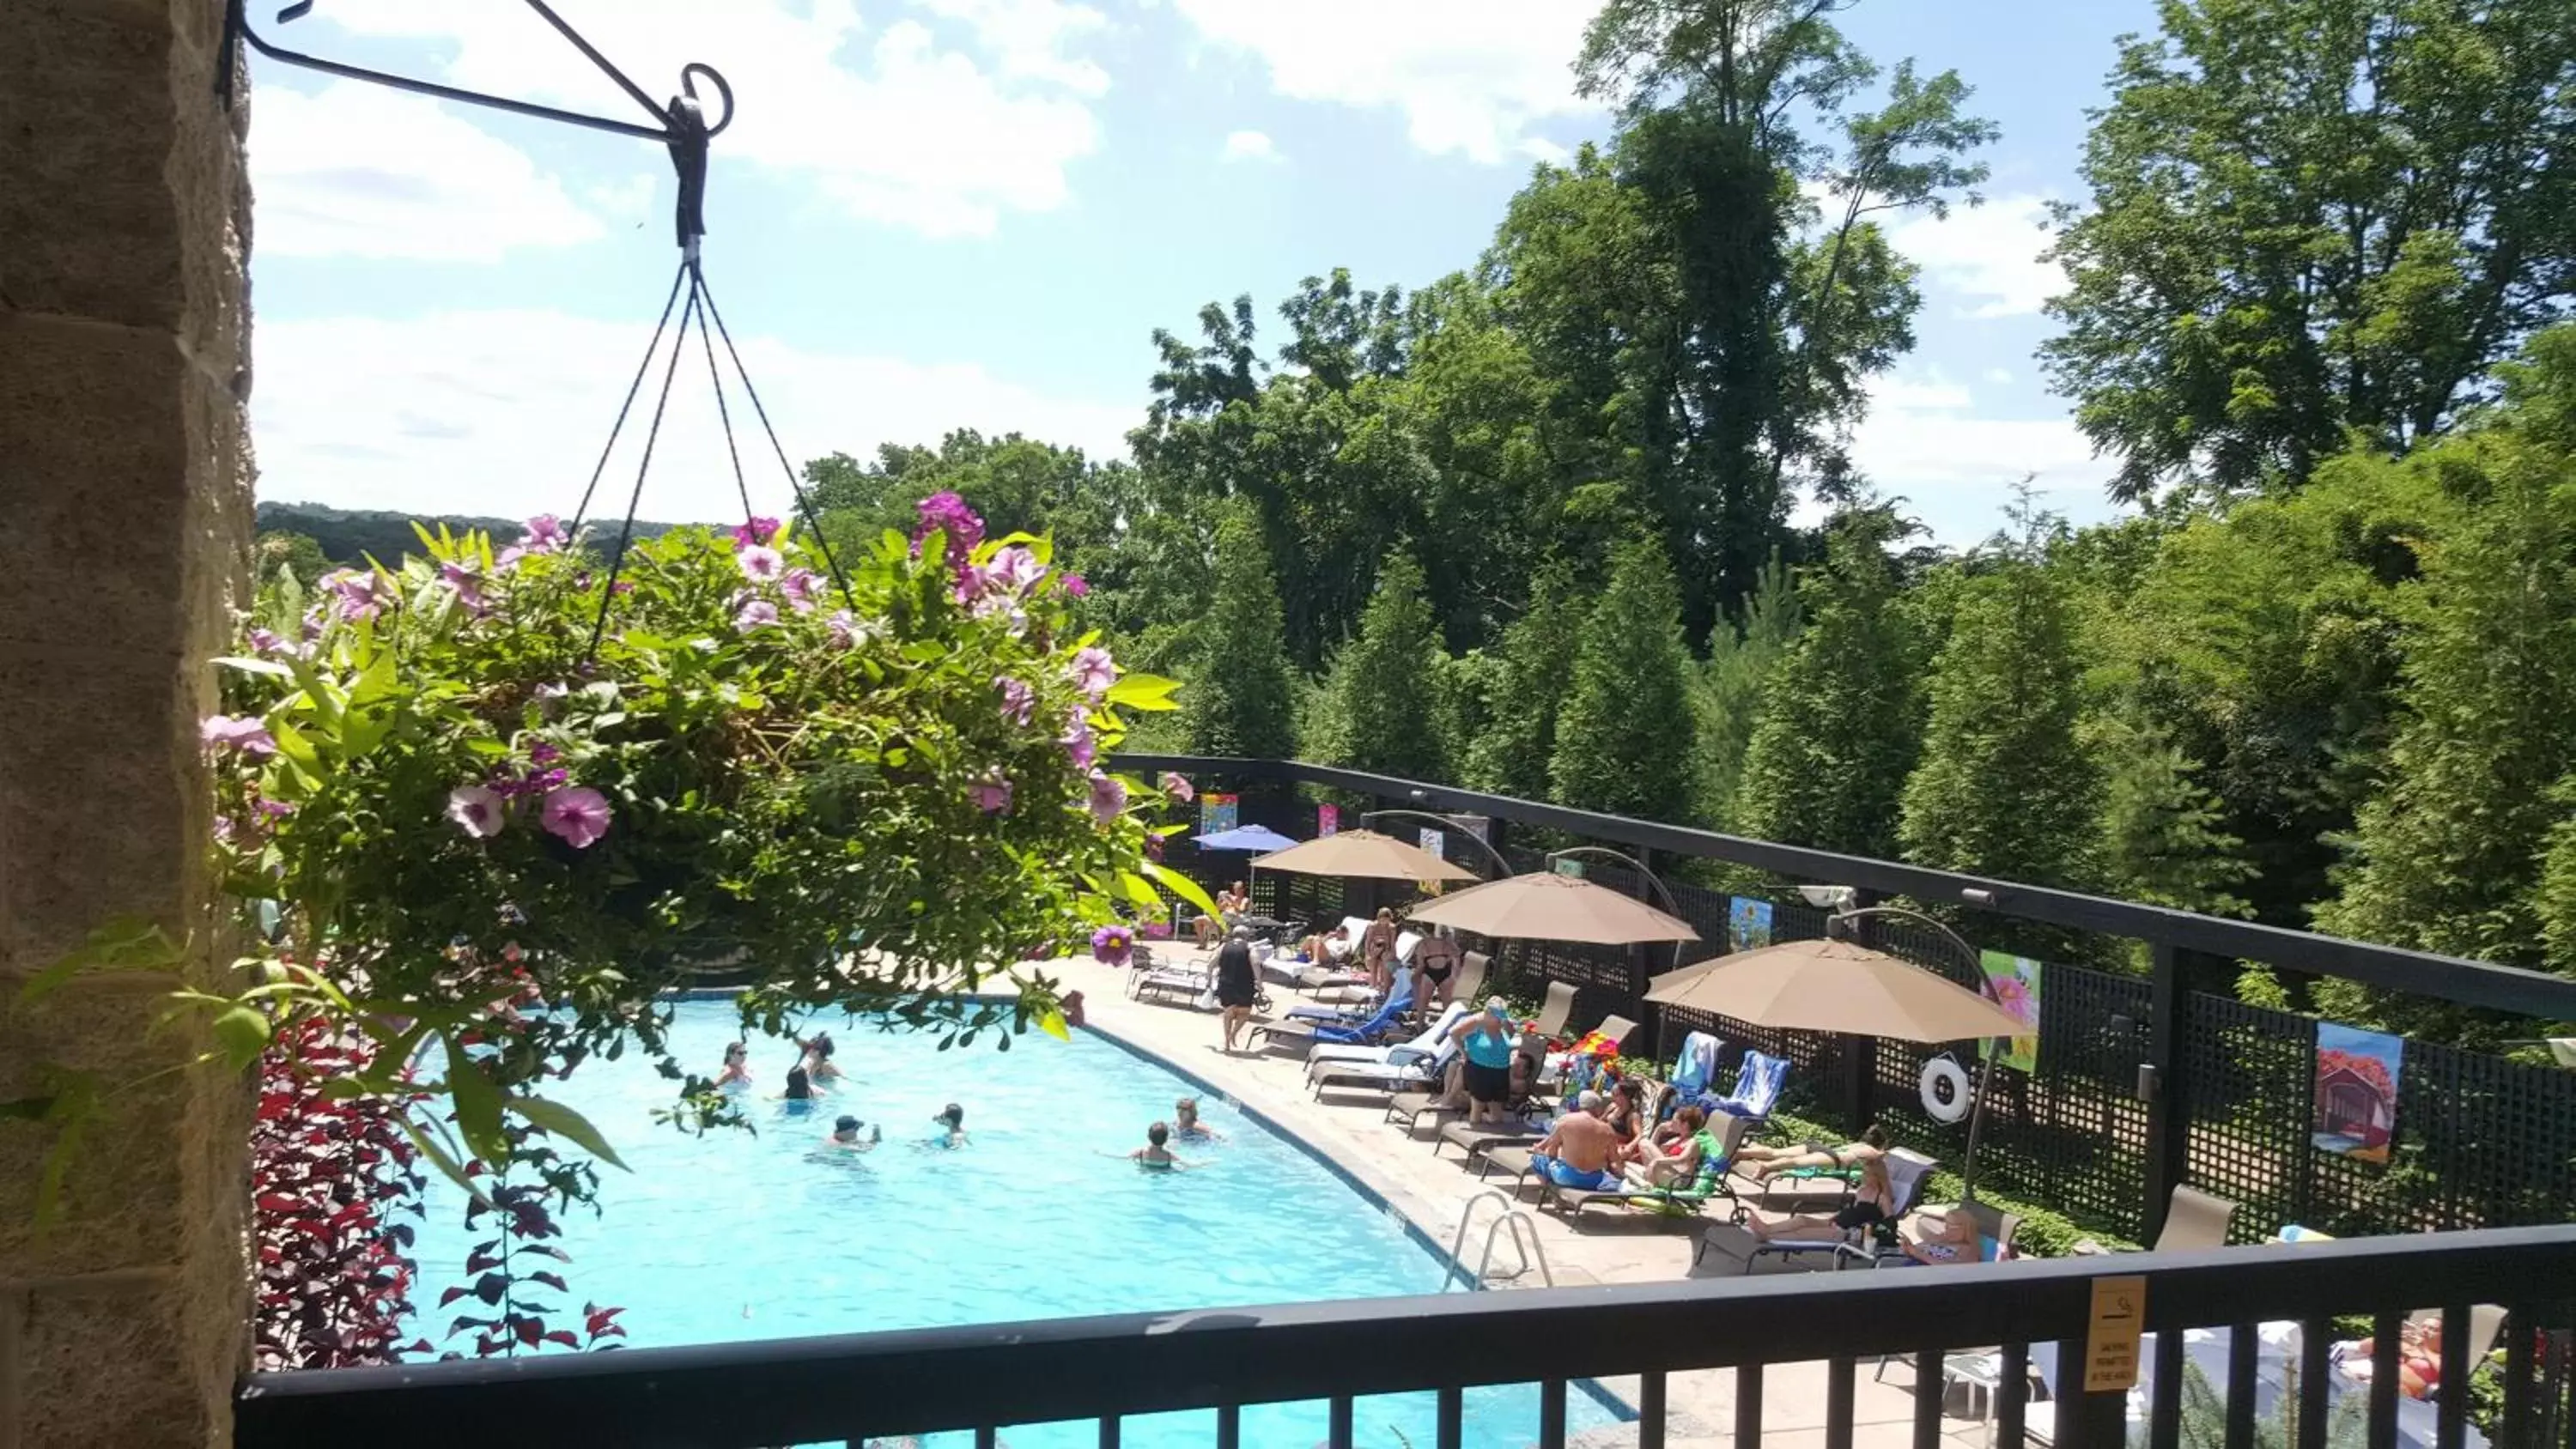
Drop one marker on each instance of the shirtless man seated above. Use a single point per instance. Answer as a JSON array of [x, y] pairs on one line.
[[1583, 1151], [1327, 948]]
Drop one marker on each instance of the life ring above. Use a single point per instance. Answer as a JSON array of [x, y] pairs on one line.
[[1947, 1094]]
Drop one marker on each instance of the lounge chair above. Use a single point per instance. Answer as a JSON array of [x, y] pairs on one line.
[[2194, 1220], [1907, 1172], [1427, 1043], [1189, 980], [1556, 1011], [1434, 1101], [1308, 1032], [1408, 1068]]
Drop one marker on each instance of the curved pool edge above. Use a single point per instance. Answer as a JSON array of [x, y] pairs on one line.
[[1386, 1197]]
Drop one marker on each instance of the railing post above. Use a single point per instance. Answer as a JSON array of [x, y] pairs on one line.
[[2160, 1082]]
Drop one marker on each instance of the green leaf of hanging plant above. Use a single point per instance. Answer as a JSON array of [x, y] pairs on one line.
[[1182, 886], [563, 1121], [1147, 692], [478, 1106]]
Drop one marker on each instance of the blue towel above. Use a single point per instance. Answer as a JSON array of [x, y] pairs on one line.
[[1697, 1066]]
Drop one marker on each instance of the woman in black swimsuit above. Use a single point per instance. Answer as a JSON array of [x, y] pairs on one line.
[[1236, 986], [1437, 959]]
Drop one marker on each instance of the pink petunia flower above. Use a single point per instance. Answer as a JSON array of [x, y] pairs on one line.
[[758, 614], [542, 754], [1075, 584], [1079, 744], [265, 642], [1015, 568], [992, 793], [476, 811], [947, 514], [1108, 797], [1178, 786], [356, 594], [1113, 945], [802, 588], [1095, 671], [753, 534], [844, 627], [759, 564], [577, 815], [236, 732], [1018, 700], [545, 534]]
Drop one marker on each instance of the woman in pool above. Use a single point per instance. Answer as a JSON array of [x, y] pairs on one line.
[[952, 1127], [817, 1061], [1187, 1126], [736, 1075], [800, 1087], [1156, 1154]]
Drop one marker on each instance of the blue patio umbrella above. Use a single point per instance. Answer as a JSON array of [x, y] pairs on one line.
[[1246, 837]]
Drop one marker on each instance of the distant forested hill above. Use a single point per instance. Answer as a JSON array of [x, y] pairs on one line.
[[347, 536]]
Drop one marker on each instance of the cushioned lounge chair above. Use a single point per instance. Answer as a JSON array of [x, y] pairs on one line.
[[1304, 1033], [1408, 1069], [1424, 1044], [1684, 1200], [1907, 1172]]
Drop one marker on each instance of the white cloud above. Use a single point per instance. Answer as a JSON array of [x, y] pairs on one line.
[[1471, 76], [1249, 146], [882, 118], [1926, 440], [503, 413], [1987, 257], [357, 170], [2000, 376]]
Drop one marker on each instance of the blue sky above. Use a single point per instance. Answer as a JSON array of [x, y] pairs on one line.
[[971, 213]]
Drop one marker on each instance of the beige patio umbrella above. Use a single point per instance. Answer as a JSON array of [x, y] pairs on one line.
[[1834, 986], [1838, 986], [1544, 906], [1363, 853]]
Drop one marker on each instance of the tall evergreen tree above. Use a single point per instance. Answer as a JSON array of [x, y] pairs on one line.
[[2162, 837], [1840, 718], [1380, 709], [1624, 738], [1242, 695], [2005, 786], [1528, 684], [2448, 856], [1733, 682]]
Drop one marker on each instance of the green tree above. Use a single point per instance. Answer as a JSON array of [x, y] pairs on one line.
[[1242, 697], [2450, 855], [297, 553], [1379, 707], [1624, 737], [1528, 682], [1734, 681], [2309, 218], [2005, 786], [1841, 719], [2162, 836]]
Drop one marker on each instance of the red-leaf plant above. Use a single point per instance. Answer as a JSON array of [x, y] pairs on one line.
[[503, 1280], [329, 1172]]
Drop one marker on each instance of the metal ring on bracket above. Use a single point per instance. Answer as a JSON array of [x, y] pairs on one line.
[[1947, 1092]]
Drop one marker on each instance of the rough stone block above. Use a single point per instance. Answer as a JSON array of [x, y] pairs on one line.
[[95, 463], [87, 224], [123, 1203], [105, 1364], [104, 806]]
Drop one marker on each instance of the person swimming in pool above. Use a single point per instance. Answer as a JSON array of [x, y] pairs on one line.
[[736, 1075], [1156, 1155], [845, 1135], [1187, 1126], [952, 1127], [800, 1086], [817, 1060]]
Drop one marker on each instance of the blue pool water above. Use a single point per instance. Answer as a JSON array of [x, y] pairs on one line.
[[737, 1236]]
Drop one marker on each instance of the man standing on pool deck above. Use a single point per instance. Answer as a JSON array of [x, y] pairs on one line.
[[1235, 986], [1580, 1152]]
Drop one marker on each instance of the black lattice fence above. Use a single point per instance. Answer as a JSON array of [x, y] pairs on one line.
[[2480, 1141]]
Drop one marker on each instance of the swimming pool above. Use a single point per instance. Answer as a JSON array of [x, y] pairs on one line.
[[736, 1236]]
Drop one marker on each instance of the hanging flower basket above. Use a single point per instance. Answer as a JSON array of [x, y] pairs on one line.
[[499, 780]]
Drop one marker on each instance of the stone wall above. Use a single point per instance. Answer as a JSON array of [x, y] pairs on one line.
[[125, 516]]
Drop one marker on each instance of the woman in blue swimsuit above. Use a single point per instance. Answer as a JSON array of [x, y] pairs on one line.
[[1488, 1037]]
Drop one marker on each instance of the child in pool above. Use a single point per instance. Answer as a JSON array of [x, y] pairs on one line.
[[1187, 1126]]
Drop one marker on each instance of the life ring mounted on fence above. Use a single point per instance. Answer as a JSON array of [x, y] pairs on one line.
[[1947, 1093]]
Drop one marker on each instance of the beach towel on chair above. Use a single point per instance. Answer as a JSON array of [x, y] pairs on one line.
[[1697, 1066], [1757, 1087]]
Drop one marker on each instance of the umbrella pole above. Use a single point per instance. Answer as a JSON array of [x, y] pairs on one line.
[[1976, 1120]]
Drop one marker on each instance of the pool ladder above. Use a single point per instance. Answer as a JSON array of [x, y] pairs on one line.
[[1525, 1241]]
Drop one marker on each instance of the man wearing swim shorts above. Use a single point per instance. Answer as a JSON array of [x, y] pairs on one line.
[[1583, 1151]]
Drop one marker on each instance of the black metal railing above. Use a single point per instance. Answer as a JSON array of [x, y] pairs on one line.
[[980, 1381]]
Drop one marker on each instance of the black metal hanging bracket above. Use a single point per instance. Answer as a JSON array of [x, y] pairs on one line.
[[679, 124]]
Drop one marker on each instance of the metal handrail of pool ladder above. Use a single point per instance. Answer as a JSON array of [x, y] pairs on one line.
[[1524, 1243]]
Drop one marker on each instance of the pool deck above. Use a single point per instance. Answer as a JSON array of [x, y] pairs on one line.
[[1432, 1191]]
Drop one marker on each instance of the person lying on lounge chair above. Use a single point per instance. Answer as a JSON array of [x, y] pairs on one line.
[[1677, 1162], [1583, 1151], [1764, 1162], [1873, 1202], [1327, 948], [1942, 1237]]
